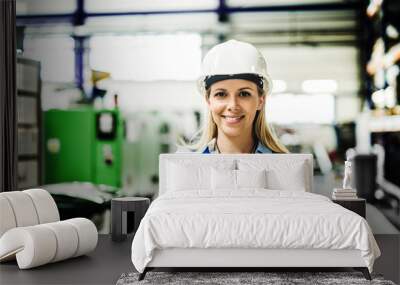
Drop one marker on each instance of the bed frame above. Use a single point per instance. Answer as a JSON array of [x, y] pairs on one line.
[[246, 258], [242, 259]]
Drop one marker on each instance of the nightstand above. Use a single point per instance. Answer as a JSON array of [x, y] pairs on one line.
[[355, 205]]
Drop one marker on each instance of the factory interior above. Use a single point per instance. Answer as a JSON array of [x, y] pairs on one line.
[[105, 87]]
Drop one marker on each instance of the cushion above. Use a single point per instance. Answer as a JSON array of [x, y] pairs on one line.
[[7, 219], [40, 244], [188, 175], [23, 208], [66, 237], [251, 178], [237, 179], [31, 232], [26, 208], [45, 205], [281, 174], [87, 234], [223, 179], [32, 246], [294, 181]]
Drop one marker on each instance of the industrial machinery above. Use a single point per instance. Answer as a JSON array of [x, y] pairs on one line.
[[83, 145], [148, 134], [106, 147]]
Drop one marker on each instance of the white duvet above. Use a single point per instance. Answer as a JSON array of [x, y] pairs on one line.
[[253, 218]]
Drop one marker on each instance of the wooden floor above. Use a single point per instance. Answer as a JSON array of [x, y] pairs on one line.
[[106, 264]]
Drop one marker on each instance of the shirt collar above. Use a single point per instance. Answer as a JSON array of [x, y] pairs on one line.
[[262, 148], [210, 148]]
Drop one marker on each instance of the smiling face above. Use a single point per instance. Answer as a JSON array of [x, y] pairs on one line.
[[233, 104]]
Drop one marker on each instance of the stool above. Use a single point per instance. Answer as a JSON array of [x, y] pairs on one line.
[[119, 209]]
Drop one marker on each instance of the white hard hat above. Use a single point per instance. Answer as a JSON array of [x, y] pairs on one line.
[[234, 60]]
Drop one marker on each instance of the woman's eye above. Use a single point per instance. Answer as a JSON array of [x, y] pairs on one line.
[[244, 94], [219, 94]]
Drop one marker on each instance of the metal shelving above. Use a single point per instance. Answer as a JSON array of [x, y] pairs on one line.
[[29, 123]]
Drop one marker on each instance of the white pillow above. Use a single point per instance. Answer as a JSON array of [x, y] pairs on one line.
[[283, 174], [251, 178], [293, 181], [183, 177], [237, 179], [223, 179], [191, 174]]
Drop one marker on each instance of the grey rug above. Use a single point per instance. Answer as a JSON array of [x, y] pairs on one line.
[[225, 278]]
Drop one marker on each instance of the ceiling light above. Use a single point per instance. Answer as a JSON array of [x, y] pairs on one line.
[[279, 86], [319, 86]]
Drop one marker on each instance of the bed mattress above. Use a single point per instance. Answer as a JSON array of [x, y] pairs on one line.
[[251, 219]]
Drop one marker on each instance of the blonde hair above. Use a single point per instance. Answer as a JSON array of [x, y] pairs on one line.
[[261, 130]]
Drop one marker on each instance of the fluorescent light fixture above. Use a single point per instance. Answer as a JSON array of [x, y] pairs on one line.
[[279, 86], [145, 6], [319, 86]]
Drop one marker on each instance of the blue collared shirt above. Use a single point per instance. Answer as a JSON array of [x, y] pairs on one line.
[[210, 148]]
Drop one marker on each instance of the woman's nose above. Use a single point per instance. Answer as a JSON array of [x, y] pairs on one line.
[[233, 103]]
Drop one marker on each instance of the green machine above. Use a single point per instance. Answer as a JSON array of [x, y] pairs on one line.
[[83, 145]]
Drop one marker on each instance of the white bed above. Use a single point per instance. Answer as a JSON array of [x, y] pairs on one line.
[[247, 211]]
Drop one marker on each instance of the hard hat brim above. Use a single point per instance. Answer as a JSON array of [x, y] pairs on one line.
[[202, 85]]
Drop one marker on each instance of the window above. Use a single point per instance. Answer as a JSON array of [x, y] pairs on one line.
[[41, 7], [300, 108], [56, 55], [147, 57]]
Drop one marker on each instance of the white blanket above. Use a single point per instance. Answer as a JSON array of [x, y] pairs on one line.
[[253, 218]]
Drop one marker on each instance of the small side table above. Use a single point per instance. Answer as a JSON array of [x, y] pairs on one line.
[[119, 209], [355, 205]]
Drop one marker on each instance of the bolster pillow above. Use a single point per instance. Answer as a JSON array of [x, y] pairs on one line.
[[26, 208], [40, 244]]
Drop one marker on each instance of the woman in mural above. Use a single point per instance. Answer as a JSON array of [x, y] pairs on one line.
[[235, 84]]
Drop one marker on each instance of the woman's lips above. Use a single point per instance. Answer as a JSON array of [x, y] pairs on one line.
[[232, 119]]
